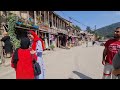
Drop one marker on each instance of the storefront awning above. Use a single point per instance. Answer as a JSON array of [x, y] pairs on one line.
[[25, 28]]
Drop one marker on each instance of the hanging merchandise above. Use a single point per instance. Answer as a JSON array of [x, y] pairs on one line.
[[55, 42], [50, 37], [46, 42], [42, 35], [53, 38]]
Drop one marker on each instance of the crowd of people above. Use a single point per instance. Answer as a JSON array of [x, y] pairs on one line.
[[24, 57], [32, 47]]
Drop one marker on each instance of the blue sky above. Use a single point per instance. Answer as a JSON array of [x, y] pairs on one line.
[[91, 18]]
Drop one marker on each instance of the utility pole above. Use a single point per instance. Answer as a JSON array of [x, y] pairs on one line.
[[95, 27]]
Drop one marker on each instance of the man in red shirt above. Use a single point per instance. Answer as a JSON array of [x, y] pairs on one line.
[[111, 48]]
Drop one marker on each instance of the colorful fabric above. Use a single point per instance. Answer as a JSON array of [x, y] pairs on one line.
[[36, 38], [40, 60]]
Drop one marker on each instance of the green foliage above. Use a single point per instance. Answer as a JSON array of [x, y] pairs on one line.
[[11, 30], [88, 29], [77, 27], [52, 46]]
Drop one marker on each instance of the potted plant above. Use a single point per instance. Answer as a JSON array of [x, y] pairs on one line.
[[52, 47]]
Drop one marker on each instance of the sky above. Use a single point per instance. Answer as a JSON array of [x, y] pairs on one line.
[[91, 18]]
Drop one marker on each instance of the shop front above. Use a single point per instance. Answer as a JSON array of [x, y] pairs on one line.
[[53, 38], [44, 34], [62, 40]]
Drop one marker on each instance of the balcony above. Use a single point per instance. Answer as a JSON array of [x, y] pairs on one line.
[[26, 23]]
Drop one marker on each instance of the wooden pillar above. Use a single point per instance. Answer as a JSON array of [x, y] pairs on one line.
[[59, 23], [40, 15], [19, 13], [48, 19], [7, 13], [52, 18], [58, 41], [35, 20], [44, 16], [63, 25], [28, 14], [55, 22], [49, 38], [48, 29]]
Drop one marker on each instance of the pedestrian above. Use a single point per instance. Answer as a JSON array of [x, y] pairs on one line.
[[111, 48], [22, 61], [7, 45], [93, 42], [116, 65], [86, 40], [38, 48]]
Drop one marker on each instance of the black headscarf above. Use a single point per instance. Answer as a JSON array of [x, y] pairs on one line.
[[24, 44]]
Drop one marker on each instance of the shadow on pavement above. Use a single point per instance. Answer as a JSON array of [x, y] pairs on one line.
[[82, 76]]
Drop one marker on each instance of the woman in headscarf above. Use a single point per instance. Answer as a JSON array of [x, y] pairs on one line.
[[7, 44], [37, 47], [22, 61]]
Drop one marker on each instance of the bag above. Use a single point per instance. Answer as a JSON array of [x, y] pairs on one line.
[[37, 68]]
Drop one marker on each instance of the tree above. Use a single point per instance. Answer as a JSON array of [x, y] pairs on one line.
[[11, 31], [88, 29], [77, 27]]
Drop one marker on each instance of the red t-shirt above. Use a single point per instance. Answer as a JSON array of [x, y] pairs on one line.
[[112, 46]]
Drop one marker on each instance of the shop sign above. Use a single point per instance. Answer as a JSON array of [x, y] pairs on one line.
[[44, 27]]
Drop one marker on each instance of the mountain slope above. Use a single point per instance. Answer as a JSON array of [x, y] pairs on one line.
[[107, 31]]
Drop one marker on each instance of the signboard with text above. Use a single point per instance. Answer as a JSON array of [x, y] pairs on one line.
[[45, 27]]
